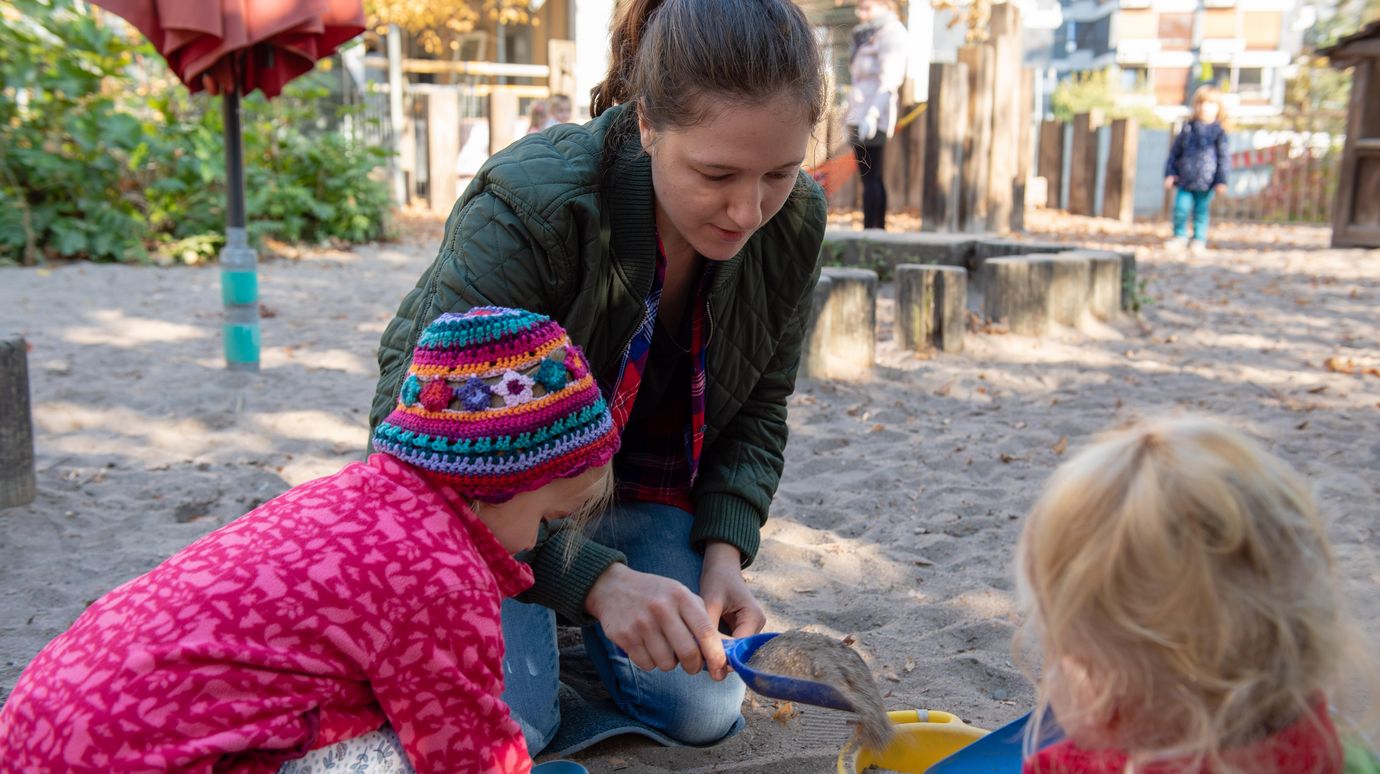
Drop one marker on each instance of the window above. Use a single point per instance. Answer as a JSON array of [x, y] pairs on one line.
[[1135, 79], [1176, 31]]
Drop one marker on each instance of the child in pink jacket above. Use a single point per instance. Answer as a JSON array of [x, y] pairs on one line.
[[365, 599]]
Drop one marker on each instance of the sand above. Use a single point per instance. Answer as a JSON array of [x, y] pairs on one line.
[[903, 490]]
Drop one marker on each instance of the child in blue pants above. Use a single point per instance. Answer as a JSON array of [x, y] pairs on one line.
[[1197, 168]]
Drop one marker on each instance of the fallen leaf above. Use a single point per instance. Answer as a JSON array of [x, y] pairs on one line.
[[850, 639], [1340, 365], [1010, 457], [783, 713], [910, 665], [1061, 445], [1301, 425], [945, 390], [877, 428], [923, 563], [1317, 390]]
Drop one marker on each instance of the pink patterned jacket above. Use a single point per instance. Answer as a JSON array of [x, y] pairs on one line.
[[353, 600]]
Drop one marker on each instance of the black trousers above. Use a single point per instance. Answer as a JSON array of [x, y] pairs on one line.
[[870, 159]]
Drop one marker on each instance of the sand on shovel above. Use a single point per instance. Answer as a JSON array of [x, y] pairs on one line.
[[818, 657]]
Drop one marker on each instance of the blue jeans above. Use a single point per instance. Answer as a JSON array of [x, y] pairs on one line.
[[692, 709], [1199, 202]]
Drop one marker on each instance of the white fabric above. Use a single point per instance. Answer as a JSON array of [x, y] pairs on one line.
[[877, 70]]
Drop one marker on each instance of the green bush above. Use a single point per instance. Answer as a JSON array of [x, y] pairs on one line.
[[104, 155]]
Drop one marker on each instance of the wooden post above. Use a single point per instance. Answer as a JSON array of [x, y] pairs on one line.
[[442, 147], [395, 115], [17, 486], [503, 115], [931, 307], [1083, 169], [1025, 147], [1119, 198], [1006, 115], [1052, 160], [977, 142], [945, 120]]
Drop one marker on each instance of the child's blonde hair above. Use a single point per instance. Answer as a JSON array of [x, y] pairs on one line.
[[1210, 93], [1185, 575]]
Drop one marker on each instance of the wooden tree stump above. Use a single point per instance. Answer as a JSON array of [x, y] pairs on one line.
[[852, 312], [1104, 283], [931, 306], [814, 355], [1070, 282], [17, 486]]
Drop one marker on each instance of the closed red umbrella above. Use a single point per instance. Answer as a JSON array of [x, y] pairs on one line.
[[233, 47]]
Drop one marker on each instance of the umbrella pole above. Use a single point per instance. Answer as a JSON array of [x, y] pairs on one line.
[[239, 279]]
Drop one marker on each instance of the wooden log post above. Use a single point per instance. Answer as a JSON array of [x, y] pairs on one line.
[[1070, 282], [1083, 169], [17, 484], [1014, 293], [1025, 147], [814, 355], [442, 147], [931, 307], [1118, 200], [1051, 162], [852, 312], [503, 116], [1104, 284], [977, 141], [1007, 115], [945, 125]]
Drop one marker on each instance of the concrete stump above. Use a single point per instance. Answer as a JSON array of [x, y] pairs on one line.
[[17, 486], [814, 354], [1070, 282], [1104, 283], [931, 306], [852, 311], [883, 251], [842, 247]]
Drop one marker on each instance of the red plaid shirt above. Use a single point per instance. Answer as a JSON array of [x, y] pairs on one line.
[[660, 460]]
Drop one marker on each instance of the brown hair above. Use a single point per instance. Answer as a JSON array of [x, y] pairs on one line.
[[667, 55]]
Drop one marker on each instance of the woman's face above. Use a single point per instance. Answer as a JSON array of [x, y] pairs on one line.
[[717, 182]]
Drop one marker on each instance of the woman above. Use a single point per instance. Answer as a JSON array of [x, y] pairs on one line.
[[877, 64], [677, 240]]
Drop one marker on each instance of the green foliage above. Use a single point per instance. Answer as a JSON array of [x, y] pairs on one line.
[[103, 155], [1098, 90], [1316, 98]]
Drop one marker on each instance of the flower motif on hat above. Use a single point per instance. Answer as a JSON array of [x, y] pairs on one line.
[[514, 388], [551, 374], [474, 394], [411, 390], [436, 395]]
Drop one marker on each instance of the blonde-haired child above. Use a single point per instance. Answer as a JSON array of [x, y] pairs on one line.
[[1197, 167], [355, 617], [1181, 592]]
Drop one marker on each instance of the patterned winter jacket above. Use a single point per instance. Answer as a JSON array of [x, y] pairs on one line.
[[353, 600], [1198, 157]]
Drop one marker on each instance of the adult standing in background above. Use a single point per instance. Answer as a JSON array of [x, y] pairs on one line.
[[877, 64]]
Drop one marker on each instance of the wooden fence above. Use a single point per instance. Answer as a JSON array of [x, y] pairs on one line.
[[1284, 183]]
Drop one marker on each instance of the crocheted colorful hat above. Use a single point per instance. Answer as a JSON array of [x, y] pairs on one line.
[[496, 402]]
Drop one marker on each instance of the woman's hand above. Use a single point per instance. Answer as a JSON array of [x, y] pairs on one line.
[[1169, 183], [658, 621], [1220, 188], [726, 595]]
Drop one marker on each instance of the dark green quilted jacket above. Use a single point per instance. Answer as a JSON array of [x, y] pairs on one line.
[[561, 223]]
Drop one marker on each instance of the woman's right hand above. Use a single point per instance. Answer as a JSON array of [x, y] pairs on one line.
[[658, 621]]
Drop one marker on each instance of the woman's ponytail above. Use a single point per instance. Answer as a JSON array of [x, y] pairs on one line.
[[625, 39]]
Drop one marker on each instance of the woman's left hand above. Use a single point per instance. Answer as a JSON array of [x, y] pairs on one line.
[[725, 593], [1220, 188]]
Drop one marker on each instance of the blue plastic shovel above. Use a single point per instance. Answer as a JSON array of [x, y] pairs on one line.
[[776, 686]]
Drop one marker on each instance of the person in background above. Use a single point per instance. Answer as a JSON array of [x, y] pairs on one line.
[[560, 108], [1197, 168], [537, 118], [877, 64]]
